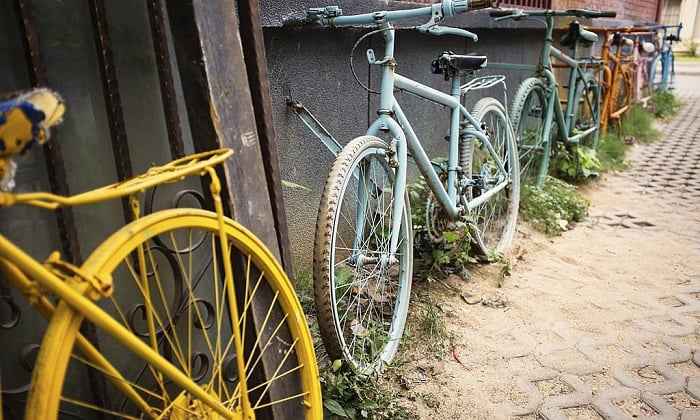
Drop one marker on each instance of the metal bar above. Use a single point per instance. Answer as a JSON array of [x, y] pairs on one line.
[[256, 67], [52, 150], [315, 126], [165, 76], [110, 90]]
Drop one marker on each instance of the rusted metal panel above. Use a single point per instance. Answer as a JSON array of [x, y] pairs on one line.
[[52, 149], [165, 75], [115, 115]]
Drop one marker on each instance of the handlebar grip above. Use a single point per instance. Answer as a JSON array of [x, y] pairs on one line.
[[607, 13], [501, 12]]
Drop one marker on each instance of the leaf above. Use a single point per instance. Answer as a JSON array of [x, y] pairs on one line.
[[450, 237], [294, 186], [337, 364], [334, 407]]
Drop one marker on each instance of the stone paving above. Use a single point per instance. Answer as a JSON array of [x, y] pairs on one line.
[[653, 371]]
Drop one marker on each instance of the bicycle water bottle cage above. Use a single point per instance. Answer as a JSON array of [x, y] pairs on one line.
[[576, 33], [450, 64]]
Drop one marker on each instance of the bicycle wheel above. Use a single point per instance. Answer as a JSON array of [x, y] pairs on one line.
[[171, 300], [587, 110], [655, 72], [361, 294], [495, 218], [528, 115], [671, 71], [623, 95]]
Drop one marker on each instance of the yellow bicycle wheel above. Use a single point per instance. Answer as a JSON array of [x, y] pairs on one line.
[[169, 294]]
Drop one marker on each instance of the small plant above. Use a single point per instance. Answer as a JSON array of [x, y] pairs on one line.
[[575, 163], [692, 47], [637, 122], [304, 286], [611, 153], [553, 207], [348, 395], [666, 104], [433, 330], [452, 254]]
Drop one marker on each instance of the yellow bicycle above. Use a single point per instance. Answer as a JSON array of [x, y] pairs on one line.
[[191, 316]]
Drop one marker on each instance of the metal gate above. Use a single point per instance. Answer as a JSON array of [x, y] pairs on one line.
[[144, 82]]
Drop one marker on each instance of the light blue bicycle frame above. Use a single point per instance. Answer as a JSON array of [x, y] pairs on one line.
[[393, 120], [554, 108], [666, 57]]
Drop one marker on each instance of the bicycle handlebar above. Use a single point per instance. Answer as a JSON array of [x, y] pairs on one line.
[[332, 16], [502, 14]]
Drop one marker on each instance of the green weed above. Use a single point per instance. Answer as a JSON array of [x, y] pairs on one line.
[[553, 207], [452, 253], [666, 104], [304, 286], [433, 331], [347, 395], [611, 153], [637, 122]]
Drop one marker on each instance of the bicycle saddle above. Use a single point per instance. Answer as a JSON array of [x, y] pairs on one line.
[[577, 33], [24, 123], [449, 63]]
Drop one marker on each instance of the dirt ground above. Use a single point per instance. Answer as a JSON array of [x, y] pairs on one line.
[[601, 322]]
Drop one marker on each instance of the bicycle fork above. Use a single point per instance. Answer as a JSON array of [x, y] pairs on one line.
[[397, 161]]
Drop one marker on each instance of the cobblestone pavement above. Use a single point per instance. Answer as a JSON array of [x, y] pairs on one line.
[[645, 362]]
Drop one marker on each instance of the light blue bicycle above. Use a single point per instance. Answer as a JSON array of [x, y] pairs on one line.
[[662, 72], [363, 245]]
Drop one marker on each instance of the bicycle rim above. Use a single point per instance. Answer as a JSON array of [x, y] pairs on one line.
[[495, 219], [587, 111], [528, 115], [361, 298], [175, 302]]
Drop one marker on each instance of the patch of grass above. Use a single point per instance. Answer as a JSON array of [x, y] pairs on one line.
[[347, 395], [304, 286], [638, 123], [432, 329], [611, 153], [552, 208], [666, 104]]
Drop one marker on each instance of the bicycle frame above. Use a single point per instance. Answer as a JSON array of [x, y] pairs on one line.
[[393, 120], [577, 67], [668, 35], [612, 68], [28, 275]]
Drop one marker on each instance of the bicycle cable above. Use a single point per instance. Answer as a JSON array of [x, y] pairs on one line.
[[352, 54]]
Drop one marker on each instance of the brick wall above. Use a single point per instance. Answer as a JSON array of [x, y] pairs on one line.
[[632, 10]]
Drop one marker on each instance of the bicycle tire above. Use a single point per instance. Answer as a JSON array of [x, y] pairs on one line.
[[587, 110], [361, 302], [528, 116], [623, 95], [654, 74], [191, 328], [494, 220], [672, 73]]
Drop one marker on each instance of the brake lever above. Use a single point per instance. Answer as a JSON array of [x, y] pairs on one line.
[[445, 30]]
